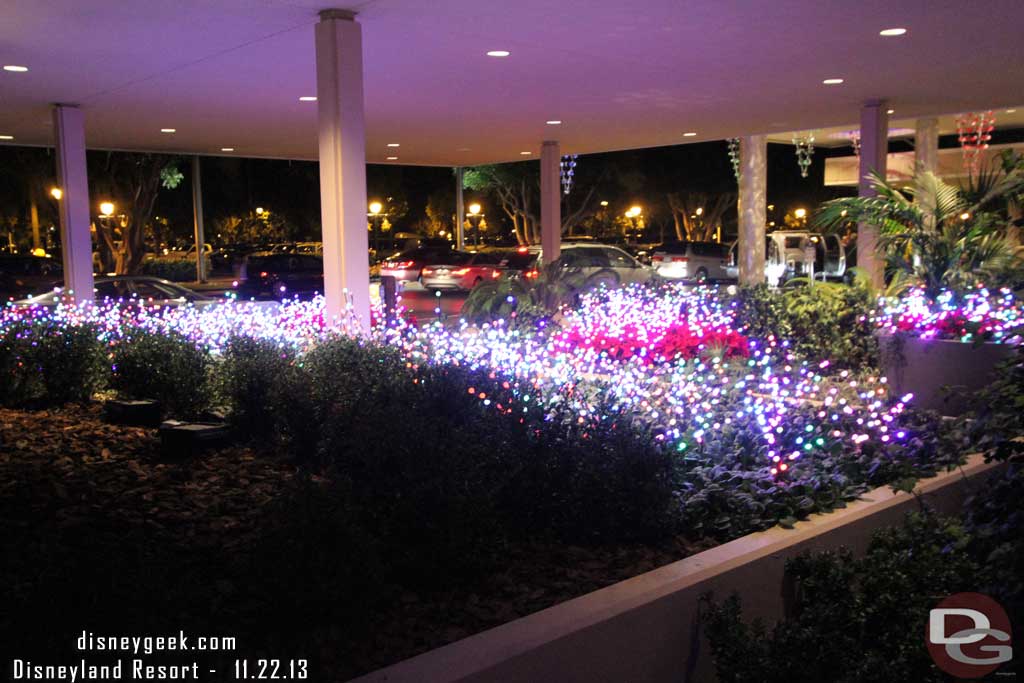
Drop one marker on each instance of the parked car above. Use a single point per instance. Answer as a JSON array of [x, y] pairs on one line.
[[20, 276], [786, 256], [407, 266], [696, 261], [598, 263], [281, 276], [151, 291], [463, 270]]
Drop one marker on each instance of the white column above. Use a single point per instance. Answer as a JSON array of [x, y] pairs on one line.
[[753, 208], [550, 201], [73, 180], [460, 212], [197, 219], [339, 90], [874, 146], [926, 145]]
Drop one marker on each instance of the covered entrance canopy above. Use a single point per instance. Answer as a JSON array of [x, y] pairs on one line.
[[228, 76]]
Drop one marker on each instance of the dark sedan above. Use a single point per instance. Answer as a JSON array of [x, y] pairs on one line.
[[281, 276]]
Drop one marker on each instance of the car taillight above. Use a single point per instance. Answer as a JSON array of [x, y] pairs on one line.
[[523, 250], [495, 274], [460, 271], [657, 258], [403, 264], [264, 273], [680, 259], [532, 273], [428, 271]]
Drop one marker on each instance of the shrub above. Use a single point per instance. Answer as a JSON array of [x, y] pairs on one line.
[[249, 381], [175, 269], [596, 479], [824, 321], [852, 619], [46, 363], [165, 366]]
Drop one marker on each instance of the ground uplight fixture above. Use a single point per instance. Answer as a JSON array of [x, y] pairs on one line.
[[832, 81], [892, 32], [16, 68], [107, 209], [498, 53]]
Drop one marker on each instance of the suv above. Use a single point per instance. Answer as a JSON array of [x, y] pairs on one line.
[[599, 263], [281, 276], [698, 261]]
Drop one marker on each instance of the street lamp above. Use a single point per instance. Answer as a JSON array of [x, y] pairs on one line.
[[800, 213], [107, 209], [57, 193], [633, 215], [474, 220], [375, 209]]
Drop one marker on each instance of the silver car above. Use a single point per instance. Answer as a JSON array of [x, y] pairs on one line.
[[696, 261], [601, 264], [149, 291]]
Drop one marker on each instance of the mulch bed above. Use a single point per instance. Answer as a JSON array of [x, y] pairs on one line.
[[98, 530]]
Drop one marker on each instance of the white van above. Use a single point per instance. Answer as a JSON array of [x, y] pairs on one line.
[[786, 253]]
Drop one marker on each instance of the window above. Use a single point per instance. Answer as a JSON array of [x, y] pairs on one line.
[[618, 258]]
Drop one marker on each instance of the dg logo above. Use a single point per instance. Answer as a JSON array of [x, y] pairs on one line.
[[969, 635]]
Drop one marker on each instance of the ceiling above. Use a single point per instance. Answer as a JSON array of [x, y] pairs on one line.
[[229, 73]]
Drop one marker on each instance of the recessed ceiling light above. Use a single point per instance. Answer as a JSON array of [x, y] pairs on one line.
[[890, 111], [553, 122], [525, 153], [307, 98], [463, 149], [689, 134], [1010, 111], [6, 137], [15, 68], [892, 32], [832, 81], [498, 53], [392, 158], [227, 149], [168, 130], [394, 144]]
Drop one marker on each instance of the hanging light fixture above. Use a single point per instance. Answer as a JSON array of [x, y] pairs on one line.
[[568, 170], [804, 151]]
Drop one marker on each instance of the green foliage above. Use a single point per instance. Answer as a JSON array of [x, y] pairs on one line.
[[171, 176], [941, 235], [853, 619], [44, 363], [823, 320], [994, 425], [250, 380], [174, 269], [525, 302], [165, 366]]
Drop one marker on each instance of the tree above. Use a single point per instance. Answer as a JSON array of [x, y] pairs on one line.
[[698, 215], [516, 187], [132, 182], [939, 234]]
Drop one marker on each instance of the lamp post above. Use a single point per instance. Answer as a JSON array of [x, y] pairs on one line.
[[633, 215], [474, 219], [375, 209]]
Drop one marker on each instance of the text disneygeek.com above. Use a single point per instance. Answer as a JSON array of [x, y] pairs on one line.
[[135, 667]]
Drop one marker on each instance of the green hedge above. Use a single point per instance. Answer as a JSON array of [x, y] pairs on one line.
[[44, 363]]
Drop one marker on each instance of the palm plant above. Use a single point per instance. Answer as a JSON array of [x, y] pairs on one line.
[[940, 235], [555, 288]]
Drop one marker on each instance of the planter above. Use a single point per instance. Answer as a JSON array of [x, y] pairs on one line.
[[648, 628], [184, 440], [144, 413], [942, 374]]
